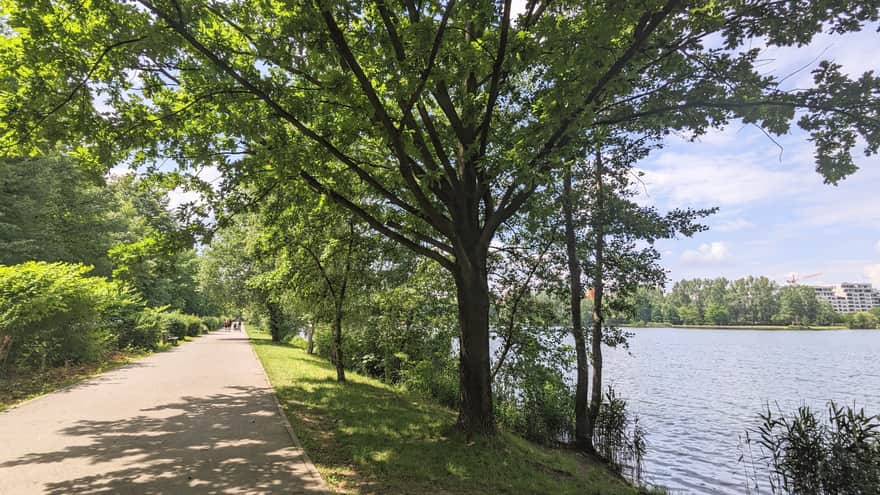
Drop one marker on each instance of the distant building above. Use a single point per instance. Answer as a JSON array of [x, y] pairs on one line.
[[849, 297]]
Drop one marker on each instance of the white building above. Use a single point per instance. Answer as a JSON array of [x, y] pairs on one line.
[[849, 297]]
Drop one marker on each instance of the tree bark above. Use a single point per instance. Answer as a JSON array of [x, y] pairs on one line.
[[338, 358], [475, 411], [598, 228], [310, 338], [582, 434], [275, 318]]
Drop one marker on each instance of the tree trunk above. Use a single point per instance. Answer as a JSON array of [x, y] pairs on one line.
[[275, 318], [310, 338], [338, 358], [475, 416], [583, 438], [598, 228]]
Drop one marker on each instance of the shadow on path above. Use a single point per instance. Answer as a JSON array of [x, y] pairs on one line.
[[232, 442]]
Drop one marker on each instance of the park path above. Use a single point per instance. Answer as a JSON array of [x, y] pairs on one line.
[[200, 418]]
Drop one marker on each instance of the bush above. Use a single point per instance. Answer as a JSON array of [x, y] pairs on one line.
[[537, 403], [175, 324], [436, 379], [194, 326], [861, 320], [808, 455], [146, 332], [618, 438], [212, 322], [53, 313]]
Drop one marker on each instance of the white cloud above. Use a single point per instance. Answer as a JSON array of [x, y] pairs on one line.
[[877, 246], [873, 274], [178, 196], [708, 253], [733, 225], [713, 179]]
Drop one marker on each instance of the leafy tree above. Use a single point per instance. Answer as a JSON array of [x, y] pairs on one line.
[[55, 209], [611, 250], [451, 113], [798, 305], [154, 254], [862, 320], [717, 314]]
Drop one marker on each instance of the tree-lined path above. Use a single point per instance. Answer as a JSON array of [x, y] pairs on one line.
[[198, 419]]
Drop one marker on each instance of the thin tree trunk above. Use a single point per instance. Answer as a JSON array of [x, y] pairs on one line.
[[310, 338], [275, 318], [598, 228], [475, 411], [338, 357], [582, 436]]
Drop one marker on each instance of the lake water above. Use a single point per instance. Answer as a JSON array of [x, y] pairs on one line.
[[696, 391]]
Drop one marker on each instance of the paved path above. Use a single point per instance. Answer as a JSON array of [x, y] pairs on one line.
[[200, 418]]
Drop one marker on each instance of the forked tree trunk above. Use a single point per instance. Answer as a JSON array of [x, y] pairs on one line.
[[582, 435], [475, 411]]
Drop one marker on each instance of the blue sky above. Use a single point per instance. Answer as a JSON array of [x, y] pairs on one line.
[[776, 216]]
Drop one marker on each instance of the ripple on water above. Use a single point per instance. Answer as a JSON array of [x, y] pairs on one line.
[[696, 392]]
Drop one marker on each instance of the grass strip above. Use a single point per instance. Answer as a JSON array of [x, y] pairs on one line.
[[365, 436]]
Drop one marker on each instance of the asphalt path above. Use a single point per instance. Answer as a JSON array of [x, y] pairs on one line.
[[200, 418]]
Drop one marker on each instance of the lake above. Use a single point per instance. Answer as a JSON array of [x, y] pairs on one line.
[[696, 391]]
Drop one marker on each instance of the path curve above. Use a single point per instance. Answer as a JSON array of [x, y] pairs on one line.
[[200, 418]]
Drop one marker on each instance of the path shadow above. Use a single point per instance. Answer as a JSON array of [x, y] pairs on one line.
[[225, 443]]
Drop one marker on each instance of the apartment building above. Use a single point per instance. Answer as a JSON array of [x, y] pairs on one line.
[[849, 297]]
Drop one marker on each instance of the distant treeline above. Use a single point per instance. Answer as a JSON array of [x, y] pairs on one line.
[[745, 301]]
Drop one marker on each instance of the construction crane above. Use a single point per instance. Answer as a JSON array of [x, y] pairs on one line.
[[796, 277]]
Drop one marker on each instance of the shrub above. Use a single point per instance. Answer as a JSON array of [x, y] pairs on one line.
[[194, 326], [810, 455], [53, 313], [212, 322], [618, 438], [175, 324], [146, 332], [861, 320], [537, 403], [435, 378]]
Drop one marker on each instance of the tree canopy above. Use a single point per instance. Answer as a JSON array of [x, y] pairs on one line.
[[449, 114]]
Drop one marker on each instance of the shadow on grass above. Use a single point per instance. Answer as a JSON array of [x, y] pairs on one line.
[[367, 435], [224, 443]]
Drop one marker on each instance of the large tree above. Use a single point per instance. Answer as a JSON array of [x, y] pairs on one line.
[[451, 113]]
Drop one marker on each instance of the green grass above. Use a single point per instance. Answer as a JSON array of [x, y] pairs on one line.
[[367, 437]]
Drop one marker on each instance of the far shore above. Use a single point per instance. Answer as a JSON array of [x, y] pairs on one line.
[[740, 327]]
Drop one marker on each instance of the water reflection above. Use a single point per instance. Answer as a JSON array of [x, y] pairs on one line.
[[696, 391]]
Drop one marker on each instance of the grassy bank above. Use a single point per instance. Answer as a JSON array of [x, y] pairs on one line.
[[367, 437], [16, 387]]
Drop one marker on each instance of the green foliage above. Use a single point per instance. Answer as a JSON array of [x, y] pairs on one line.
[[862, 320], [54, 313], [745, 301], [436, 378], [618, 438], [212, 322], [56, 209], [439, 132], [539, 405], [177, 324], [811, 455], [368, 436]]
